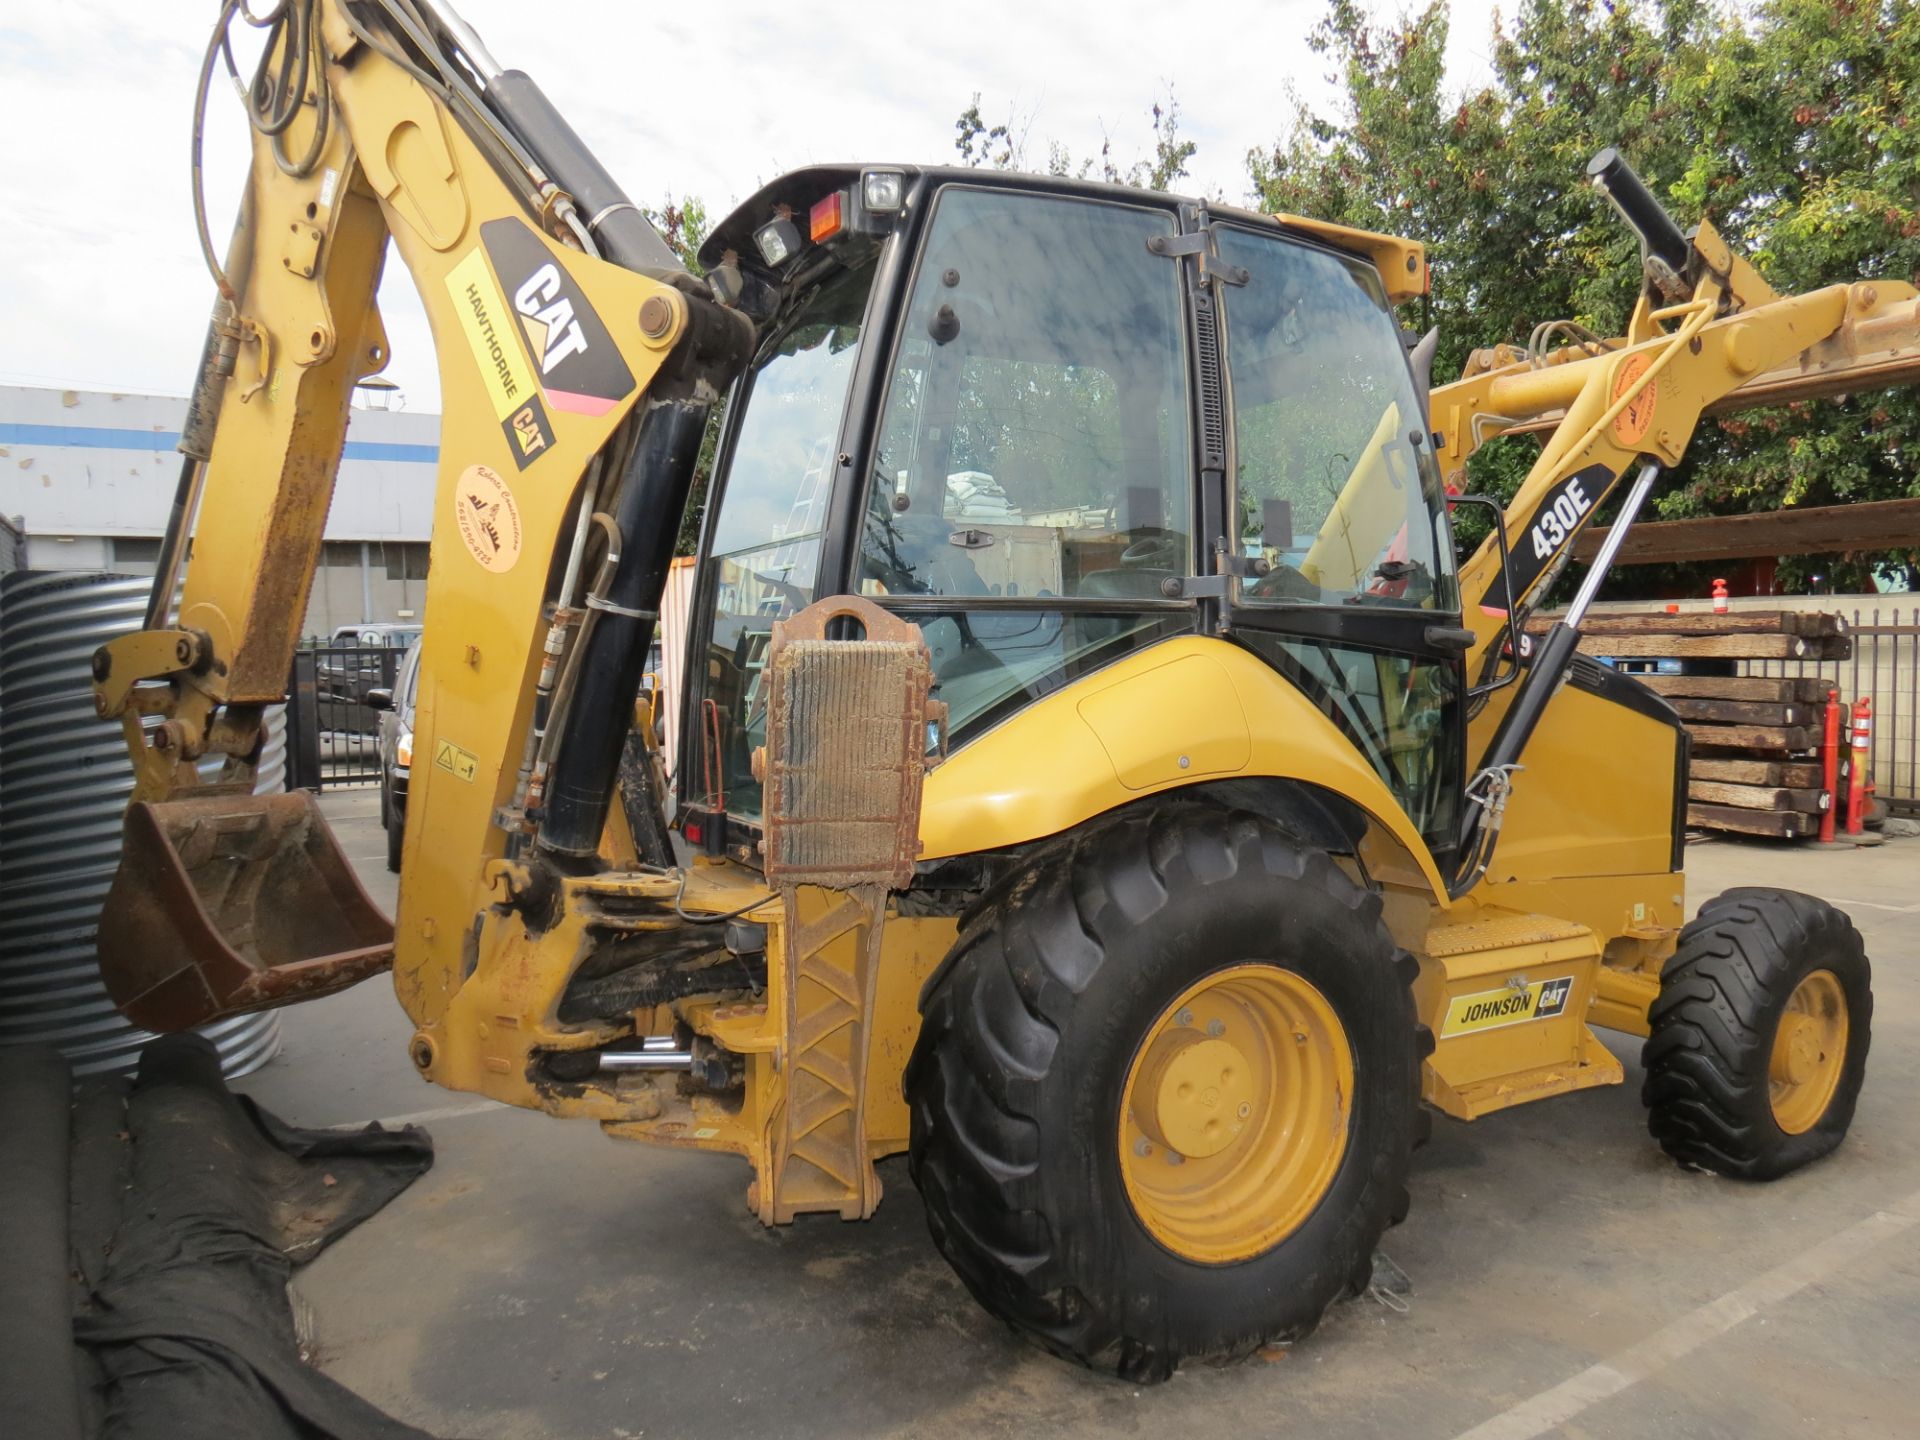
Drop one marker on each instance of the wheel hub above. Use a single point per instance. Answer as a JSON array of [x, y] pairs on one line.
[[1809, 1052], [1235, 1112], [1797, 1054], [1198, 1093]]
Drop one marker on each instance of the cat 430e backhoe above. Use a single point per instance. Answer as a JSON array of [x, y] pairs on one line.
[[1094, 777]]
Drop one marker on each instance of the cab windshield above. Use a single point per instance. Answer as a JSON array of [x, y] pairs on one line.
[[763, 544]]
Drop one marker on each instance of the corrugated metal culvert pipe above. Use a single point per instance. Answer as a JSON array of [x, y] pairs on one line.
[[64, 781]]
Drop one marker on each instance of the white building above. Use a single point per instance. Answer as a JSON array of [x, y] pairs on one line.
[[88, 477]]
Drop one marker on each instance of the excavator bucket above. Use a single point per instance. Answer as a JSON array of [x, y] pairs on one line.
[[227, 902]]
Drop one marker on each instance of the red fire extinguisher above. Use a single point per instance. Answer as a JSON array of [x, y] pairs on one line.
[[1830, 767], [1719, 597], [1858, 762]]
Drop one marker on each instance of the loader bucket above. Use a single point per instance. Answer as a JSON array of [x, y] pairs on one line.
[[228, 902]]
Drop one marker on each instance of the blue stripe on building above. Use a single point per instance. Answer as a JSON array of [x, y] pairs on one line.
[[102, 437]]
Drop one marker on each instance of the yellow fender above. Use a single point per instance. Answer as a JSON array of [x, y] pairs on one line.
[[1172, 715]]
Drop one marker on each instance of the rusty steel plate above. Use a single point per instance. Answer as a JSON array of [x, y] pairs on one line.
[[847, 740]]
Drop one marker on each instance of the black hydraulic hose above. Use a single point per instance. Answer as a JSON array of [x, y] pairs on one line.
[[39, 1389], [594, 729], [625, 236]]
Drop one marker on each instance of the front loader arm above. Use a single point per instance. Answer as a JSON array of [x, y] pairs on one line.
[[1708, 336], [570, 387], [1603, 411]]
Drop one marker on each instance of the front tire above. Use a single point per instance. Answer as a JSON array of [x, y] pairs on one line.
[[1758, 1043], [1180, 947]]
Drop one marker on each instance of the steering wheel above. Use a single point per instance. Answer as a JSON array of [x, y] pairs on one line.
[[1283, 582], [1154, 550]]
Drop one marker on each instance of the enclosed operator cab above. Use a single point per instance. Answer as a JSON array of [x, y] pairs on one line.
[[1057, 424]]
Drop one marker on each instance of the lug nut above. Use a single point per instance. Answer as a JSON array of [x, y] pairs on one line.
[[1214, 1027], [1142, 1148], [1244, 1111], [1185, 1017]]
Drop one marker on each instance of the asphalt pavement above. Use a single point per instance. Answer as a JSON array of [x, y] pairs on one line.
[[1566, 1278]]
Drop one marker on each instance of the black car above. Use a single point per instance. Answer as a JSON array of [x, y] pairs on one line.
[[359, 658], [393, 743]]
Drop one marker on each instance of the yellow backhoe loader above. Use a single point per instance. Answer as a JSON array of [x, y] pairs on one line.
[[1094, 775]]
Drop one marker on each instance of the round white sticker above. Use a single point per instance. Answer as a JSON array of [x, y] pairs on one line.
[[489, 521]]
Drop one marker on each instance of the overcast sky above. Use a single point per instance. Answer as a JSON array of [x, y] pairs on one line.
[[104, 286]]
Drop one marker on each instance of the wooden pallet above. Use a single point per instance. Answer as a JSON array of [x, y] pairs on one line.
[[1719, 647], [1766, 689], [1745, 712], [1740, 770], [1774, 739], [1705, 622], [1782, 824], [1753, 736]]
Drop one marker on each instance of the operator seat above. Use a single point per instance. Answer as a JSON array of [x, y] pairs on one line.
[[1125, 582], [931, 563]]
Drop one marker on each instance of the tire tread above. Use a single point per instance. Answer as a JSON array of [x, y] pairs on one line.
[[1710, 1031], [972, 1088]]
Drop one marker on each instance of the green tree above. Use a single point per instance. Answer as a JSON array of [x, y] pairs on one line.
[[1003, 146], [1787, 128]]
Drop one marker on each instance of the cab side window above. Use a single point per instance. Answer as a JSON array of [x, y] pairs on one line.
[[1035, 439]]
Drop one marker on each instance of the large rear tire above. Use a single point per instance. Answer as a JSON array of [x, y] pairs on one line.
[[1758, 1042], [1165, 1091]]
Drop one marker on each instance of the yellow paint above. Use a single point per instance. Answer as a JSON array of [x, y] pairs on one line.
[[1402, 263], [1610, 766], [1579, 889], [1622, 998], [1809, 1053], [486, 320], [1197, 707], [1486, 1057], [1235, 1113], [1064, 760], [462, 764]]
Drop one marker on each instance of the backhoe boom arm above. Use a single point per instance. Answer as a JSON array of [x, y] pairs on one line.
[[576, 359]]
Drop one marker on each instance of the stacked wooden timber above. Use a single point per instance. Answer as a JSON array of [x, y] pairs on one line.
[[1756, 739]]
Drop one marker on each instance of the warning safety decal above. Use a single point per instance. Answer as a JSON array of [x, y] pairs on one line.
[[461, 764], [1490, 1009]]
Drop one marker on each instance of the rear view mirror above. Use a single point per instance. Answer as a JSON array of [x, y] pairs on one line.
[[380, 698]]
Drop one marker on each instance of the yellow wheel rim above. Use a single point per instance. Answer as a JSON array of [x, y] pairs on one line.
[[1235, 1114], [1809, 1052]]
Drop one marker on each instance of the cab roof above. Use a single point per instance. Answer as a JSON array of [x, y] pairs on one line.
[[1402, 263]]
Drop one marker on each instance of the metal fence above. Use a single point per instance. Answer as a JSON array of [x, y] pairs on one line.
[[333, 735], [1885, 665]]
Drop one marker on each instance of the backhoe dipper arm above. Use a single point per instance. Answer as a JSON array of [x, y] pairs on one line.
[[1707, 336], [570, 387]]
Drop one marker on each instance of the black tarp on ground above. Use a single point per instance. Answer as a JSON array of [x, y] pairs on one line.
[[191, 1207]]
